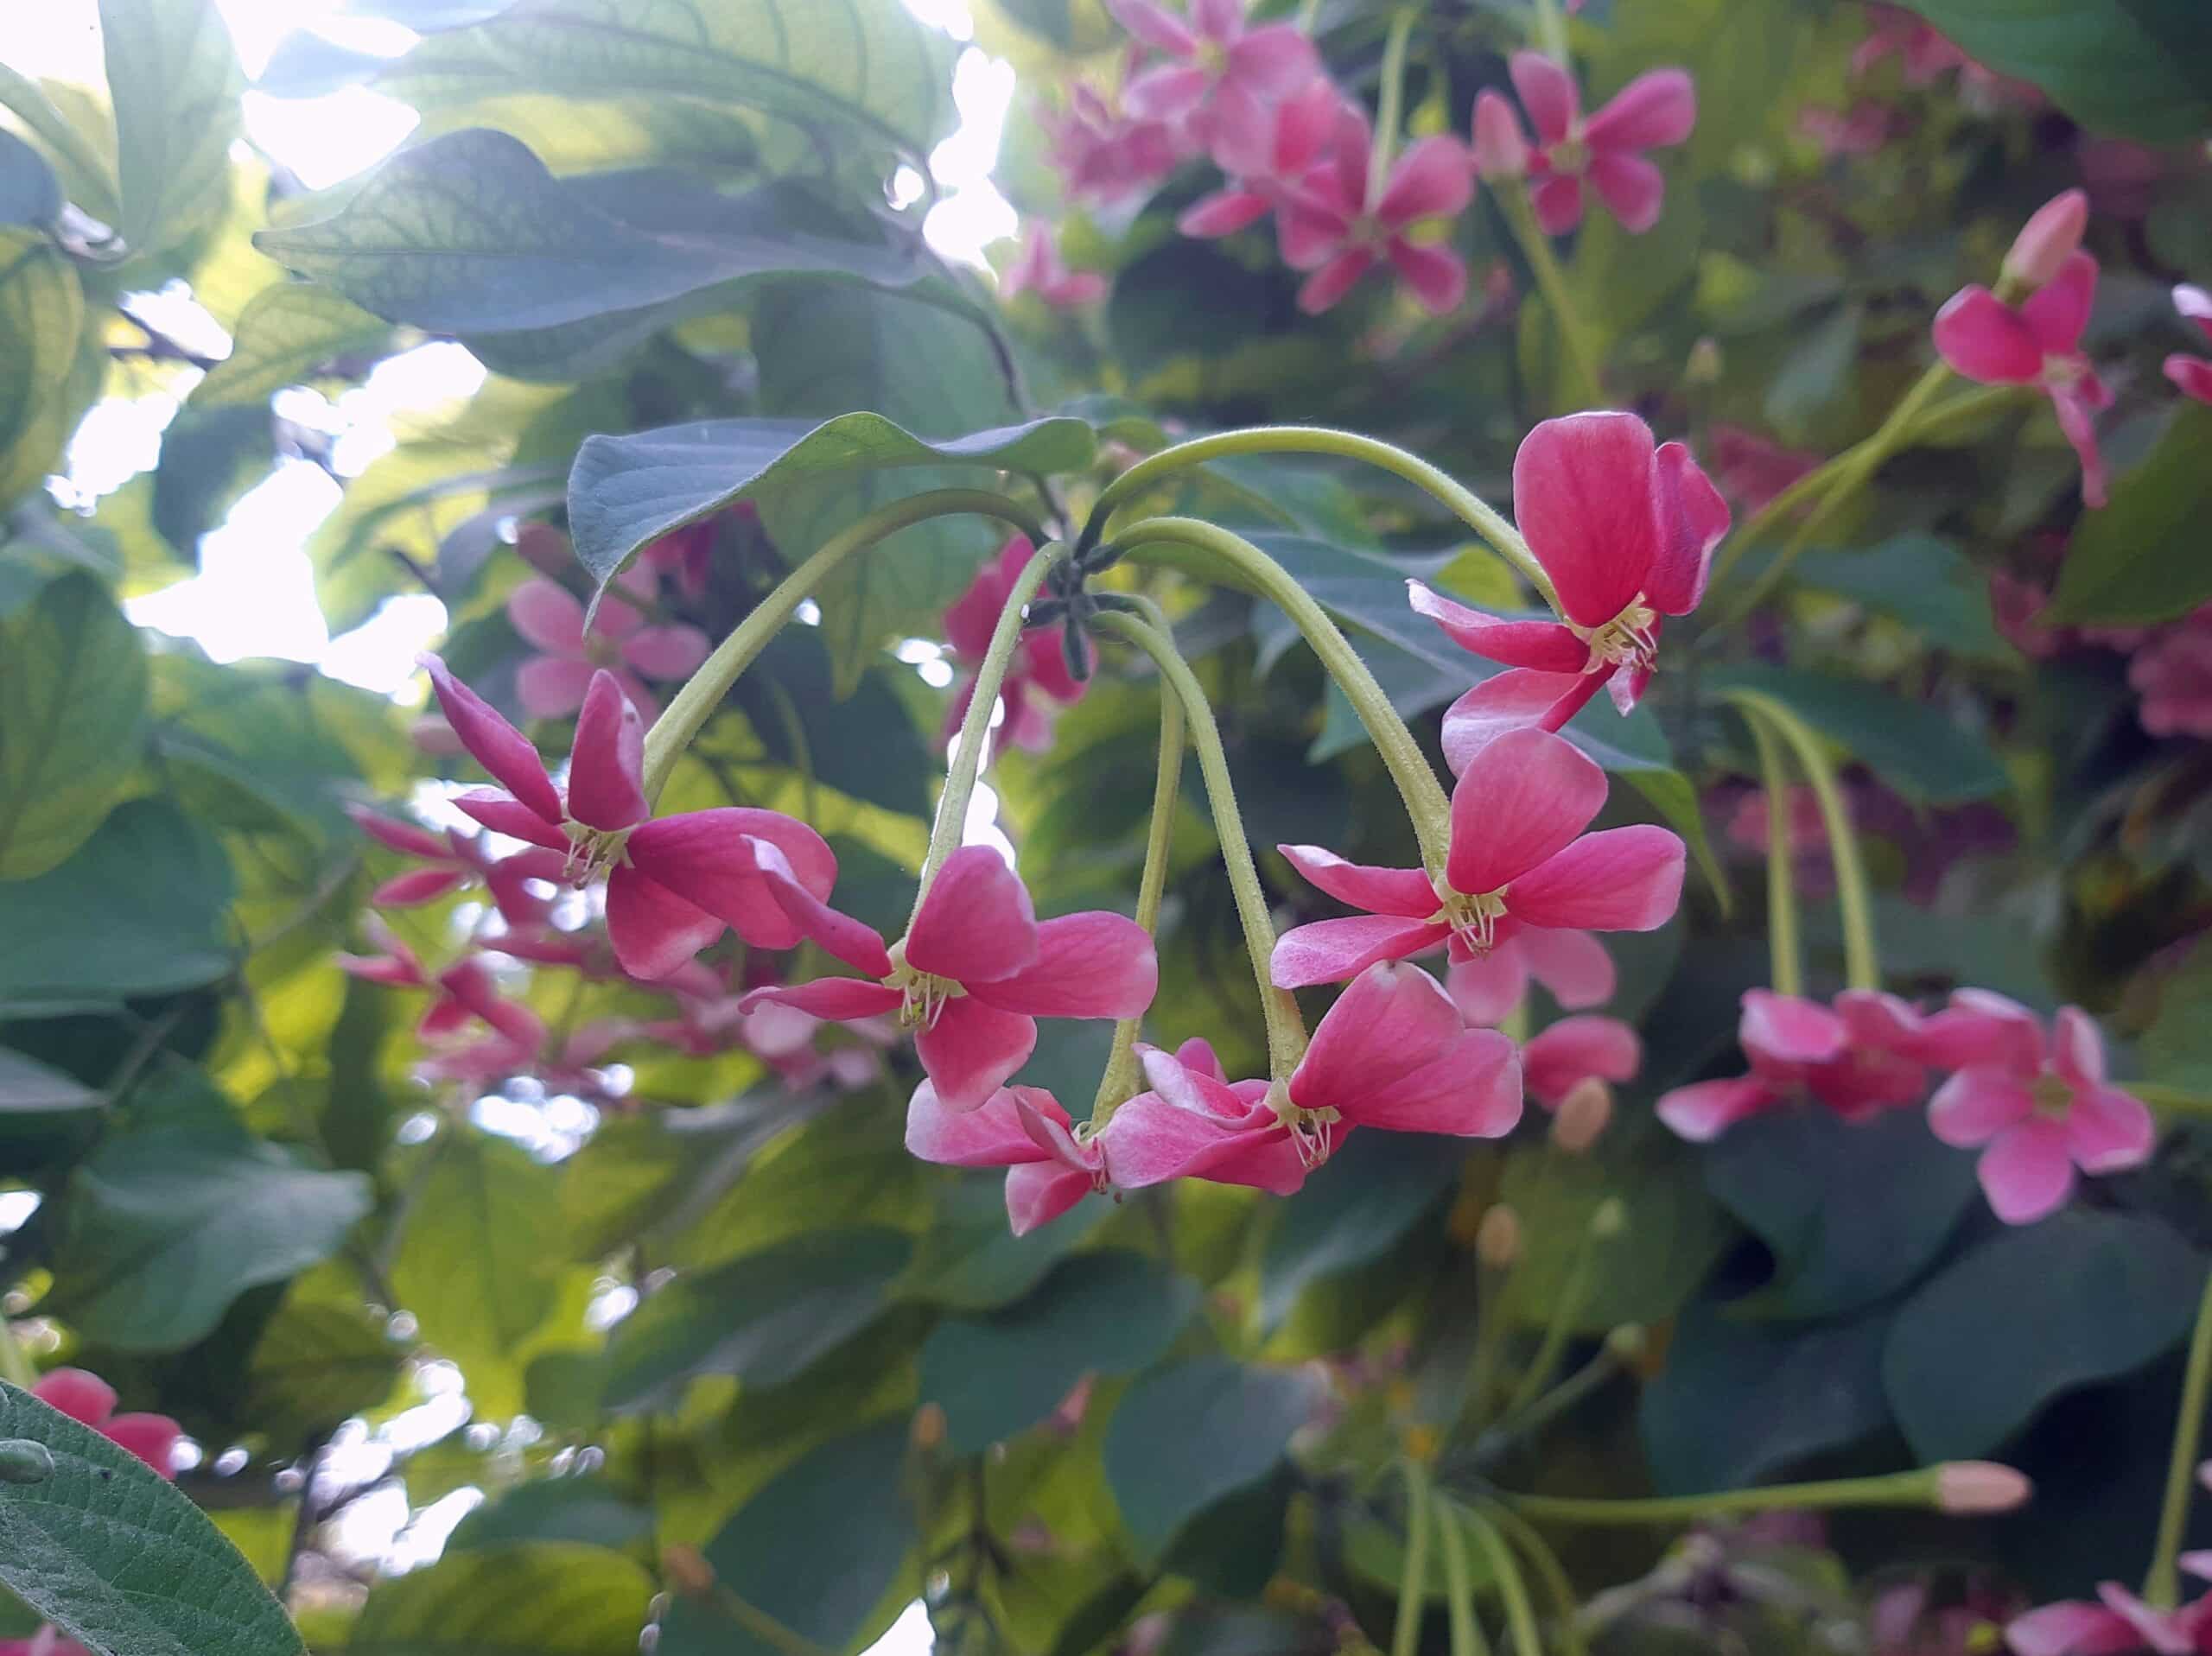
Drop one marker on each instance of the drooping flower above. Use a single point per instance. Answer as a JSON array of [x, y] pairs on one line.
[[2051, 235], [2116, 1622], [1656, 109], [1855, 1059], [456, 860], [90, 1402], [1330, 228], [974, 972], [1573, 964], [2039, 343], [2193, 374], [1574, 1049], [1104, 151], [1023, 1129], [2039, 1106], [551, 684], [1518, 857], [1626, 530], [1037, 683], [1304, 124], [464, 990], [1193, 1122], [1039, 269], [1222, 78], [673, 882]]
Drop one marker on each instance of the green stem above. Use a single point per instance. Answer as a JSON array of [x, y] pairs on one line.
[[1915, 1488], [1552, 282], [1574, 1297], [16, 1365], [1566, 1605], [1551, 31], [1387, 114], [1469, 507], [1547, 1408], [1425, 801], [1286, 1029], [2162, 1586], [1459, 1591], [690, 707], [1786, 972], [975, 726], [1520, 1615], [1862, 968], [1413, 1583]]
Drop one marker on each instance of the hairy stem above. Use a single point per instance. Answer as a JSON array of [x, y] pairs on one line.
[[1915, 1488]]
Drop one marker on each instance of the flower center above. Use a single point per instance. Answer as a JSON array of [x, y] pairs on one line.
[[591, 851], [2063, 370], [922, 994], [1473, 920], [1570, 155], [2054, 1097], [1628, 640]]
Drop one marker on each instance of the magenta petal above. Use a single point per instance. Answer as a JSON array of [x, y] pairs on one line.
[[1432, 180], [972, 1048], [991, 1135], [1573, 964], [1241, 130], [153, 1439], [1040, 1192], [1620, 879], [1330, 951], [2192, 376], [2071, 1628], [547, 615], [1653, 109], [2056, 312], [504, 813], [1582, 496], [1469, 1087], [842, 1000], [1981, 1028], [1519, 698], [1985, 339], [1150, 1140], [1392, 1019], [666, 652], [606, 762], [2076, 412], [859, 945], [1307, 236], [1522, 800], [1095, 964], [2109, 1130], [1273, 60], [77, 1392], [1436, 276], [1558, 202], [1402, 892], [976, 923], [1976, 1105], [1501, 148], [2025, 1171], [974, 615], [709, 859], [1197, 1056], [1488, 989], [1788, 1029], [1166, 92], [1158, 27], [1223, 214], [404, 837], [653, 930], [1706, 1109], [1546, 645], [1692, 519], [2077, 1051], [496, 745], [1548, 93], [1323, 290], [553, 686], [2196, 304], [1574, 1049], [1633, 190], [416, 887]]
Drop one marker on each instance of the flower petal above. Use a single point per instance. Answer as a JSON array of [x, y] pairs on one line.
[[1582, 496], [666, 652], [653, 930], [1985, 339], [1273, 60], [1323, 290], [2192, 374], [1402, 892], [502, 750], [991, 1135], [1976, 1105], [2077, 1051], [1391, 1021], [1548, 92], [1657, 108], [1158, 27], [974, 615], [1095, 964], [2056, 312], [1706, 1109], [1788, 1029], [1432, 179], [548, 616], [1436, 276], [1487, 989], [152, 1439], [1522, 800], [1223, 214], [2108, 1131], [976, 923], [842, 1000], [1546, 645], [2071, 1628], [2025, 1171], [1167, 91], [406, 838], [504, 813], [416, 887], [1519, 698], [1558, 202], [77, 1392], [606, 762], [1573, 964], [2196, 304], [1197, 1056], [1980, 1027], [2076, 410], [1501, 148], [1619, 879], [1330, 951], [1633, 190], [972, 1048], [1241, 130], [1037, 1193], [1692, 518], [552, 687], [1574, 1049]]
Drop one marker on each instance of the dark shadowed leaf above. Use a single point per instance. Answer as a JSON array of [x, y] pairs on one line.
[[1379, 1186], [969, 1258], [1917, 748], [581, 1509], [28, 1086], [1920, 581], [2140, 69], [2141, 559], [29, 193], [317, 1362]]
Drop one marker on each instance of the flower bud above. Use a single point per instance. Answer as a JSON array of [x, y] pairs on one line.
[[1583, 1115], [1497, 1242], [2051, 235], [1705, 364], [687, 1570], [1501, 149], [1610, 1220], [1628, 1341], [928, 1426], [1968, 1487]]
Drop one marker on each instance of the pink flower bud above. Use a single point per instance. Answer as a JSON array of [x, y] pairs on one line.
[[1964, 1487], [1501, 149], [1497, 1242], [2051, 235], [1583, 1116]]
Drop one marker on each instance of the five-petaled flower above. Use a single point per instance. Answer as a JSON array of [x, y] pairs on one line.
[[1518, 857], [1573, 964], [1023, 1129], [456, 860], [1576, 1049], [1329, 226], [1855, 1058], [2193, 374], [1605, 148], [2117, 1622], [1223, 76], [1626, 530], [1037, 678], [551, 684], [1039, 269]]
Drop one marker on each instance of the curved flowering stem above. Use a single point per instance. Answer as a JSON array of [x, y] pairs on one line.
[[1470, 508], [1922, 1487], [1551, 29], [1286, 1029], [2162, 1586], [1786, 967], [1573, 1296], [1512, 1591], [690, 707], [1412, 1582], [1425, 799], [1581, 351], [1459, 1592], [1387, 113]]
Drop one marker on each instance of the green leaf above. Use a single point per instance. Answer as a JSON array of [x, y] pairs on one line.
[[29, 1088], [764, 1317], [29, 193], [1379, 1186], [2141, 559], [138, 910], [285, 335], [818, 1550], [317, 1362], [1186, 1436], [1853, 1211], [209, 460], [1915, 747], [867, 746], [2083, 1296], [2176, 1049], [90, 180], [165, 1228], [968, 1258], [175, 82], [1919, 580], [118, 1558], [73, 712], [1105, 1313], [41, 313], [583, 1510], [546, 1599], [2140, 69], [625, 491]]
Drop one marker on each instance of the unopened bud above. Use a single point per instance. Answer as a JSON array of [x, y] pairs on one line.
[[1705, 364], [2051, 235], [1497, 1242], [1968, 1487], [1627, 1342], [25, 1460], [1610, 1220], [1583, 1116], [687, 1570], [1501, 149], [928, 1426]]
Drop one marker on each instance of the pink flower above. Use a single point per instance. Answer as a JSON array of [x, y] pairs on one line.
[[2172, 672], [1574, 1049], [2040, 1107], [1750, 823], [1039, 269], [1038, 677], [1852, 1060], [48, 1640], [1655, 110], [1926, 55], [1022, 1129], [1750, 469], [973, 974], [1626, 532], [1105, 154], [1331, 229], [90, 1402], [1573, 964], [456, 860], [551, 685], [1393, 1053], [1193, 1122], [673, 882], [1305, 124], [464, 990], [2037, 343], [1221, 79], [2051, 235], [2193, 374], [2118, 1622], [1518, 857], [1862, 129]]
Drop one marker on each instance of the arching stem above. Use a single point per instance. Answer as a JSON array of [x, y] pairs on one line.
[[2162, 1586], [1388, 105], [1786, 972]]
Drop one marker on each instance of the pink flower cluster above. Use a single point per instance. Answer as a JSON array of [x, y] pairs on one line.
[[2168, 667], [1038, 683], [2035, 1101], [618, 640]]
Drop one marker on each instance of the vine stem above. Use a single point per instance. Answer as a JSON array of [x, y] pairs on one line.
[[1552, 281], [1425, 801], [1286, 1029], [1388, 106], [1512, 1591], [1412, 1582], [2162, 1586], [1551, 31], [1566, 1604], [1786, 969], [1916, 1488], [1574, 1295], [690, 707], [1465, 504], [1466, 1631]]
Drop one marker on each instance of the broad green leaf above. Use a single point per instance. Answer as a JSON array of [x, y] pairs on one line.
[[867, 746], [165, 1227], [625, 491], [138, 910], [285, 336], [818, 1550], [970, 1260], [1919, 580], [41, 313], [2082, 1296], [2141, 559], [209, 460], [764, 1318], [2176, 1049], [996, 1374], [581, 1509], [175, 81], [29, 193], [89, 178], [27, 1086], [72, 713], [2138, 69], [120, 1559], [1916, 748], [317, 1362], [1192, 1434], [545, 1599], [1379, 1186]]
